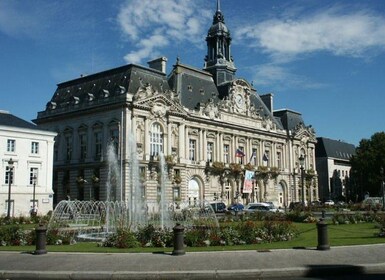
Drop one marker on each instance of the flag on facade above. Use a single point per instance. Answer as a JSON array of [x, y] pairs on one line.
[[239, 153]]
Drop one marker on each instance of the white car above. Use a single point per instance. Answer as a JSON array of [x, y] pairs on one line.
[[329, 202], [262, 206]]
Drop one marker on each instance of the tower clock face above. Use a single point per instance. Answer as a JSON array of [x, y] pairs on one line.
[[239, 100]]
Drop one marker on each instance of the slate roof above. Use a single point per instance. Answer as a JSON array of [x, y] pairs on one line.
[[7, 119], [289, 118], [103, 88], [193, 86], [127, 78], [330, 148]]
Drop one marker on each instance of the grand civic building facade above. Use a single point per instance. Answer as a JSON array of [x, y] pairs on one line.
[[208, 125]]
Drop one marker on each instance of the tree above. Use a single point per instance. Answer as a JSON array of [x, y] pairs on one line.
[[367, 163]]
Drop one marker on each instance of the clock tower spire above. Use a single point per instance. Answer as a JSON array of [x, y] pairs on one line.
[[218, 60]]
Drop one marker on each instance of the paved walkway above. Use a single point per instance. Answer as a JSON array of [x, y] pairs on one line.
[[288, 263]]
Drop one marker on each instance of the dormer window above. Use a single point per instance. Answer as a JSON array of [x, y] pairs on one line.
[[75, 100], [91, 97]]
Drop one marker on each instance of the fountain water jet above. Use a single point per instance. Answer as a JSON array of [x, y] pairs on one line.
[[94, 220]]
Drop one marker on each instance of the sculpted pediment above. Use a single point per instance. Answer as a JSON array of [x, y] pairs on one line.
[[304, 133], [158, 103]]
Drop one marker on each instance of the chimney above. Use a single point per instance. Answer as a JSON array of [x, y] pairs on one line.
[[268, 100], [158, 64]]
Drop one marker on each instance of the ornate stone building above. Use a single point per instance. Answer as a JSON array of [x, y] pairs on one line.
[[210, 125]]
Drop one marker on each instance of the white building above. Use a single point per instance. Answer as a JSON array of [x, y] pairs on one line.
[[196, 117], [333, 167], [31, 150]]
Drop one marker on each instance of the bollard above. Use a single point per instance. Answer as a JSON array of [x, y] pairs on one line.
[[178, 240], [323, 240], [41, 240]]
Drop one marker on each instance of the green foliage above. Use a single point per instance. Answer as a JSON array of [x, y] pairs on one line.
[[299, 216], [123, 238], [197, 236], [150, 236], [358, 217], [367, 163], [12, 235], [59, 237]]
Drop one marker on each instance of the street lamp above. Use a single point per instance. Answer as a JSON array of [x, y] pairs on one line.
[[10, 167], [302, 164], [34, 212]]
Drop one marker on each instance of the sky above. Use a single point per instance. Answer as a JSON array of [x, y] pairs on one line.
[[324, 59]]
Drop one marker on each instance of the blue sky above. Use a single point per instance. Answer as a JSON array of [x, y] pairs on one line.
[[325, 59]]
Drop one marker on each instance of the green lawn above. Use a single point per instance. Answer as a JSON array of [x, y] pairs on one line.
[[339, 235]]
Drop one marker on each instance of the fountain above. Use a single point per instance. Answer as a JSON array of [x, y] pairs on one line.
[[95, 220]]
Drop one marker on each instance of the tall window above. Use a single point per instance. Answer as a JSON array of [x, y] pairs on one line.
[[279, 160], [83, 146], [114, 133], [156, 140], [34, 147], [68, 140], [192, 149], [253, 158], [210, 150], [266, 158], [11, 143], [226, 155], [98, 144], [33, 171], [8, 172]]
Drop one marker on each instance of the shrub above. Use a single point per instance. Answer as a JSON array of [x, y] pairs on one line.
[[151, 236], [197, 236], [298, 216], [12, 235], [123, 238], [230, 236], [248, 232], [57, 237]]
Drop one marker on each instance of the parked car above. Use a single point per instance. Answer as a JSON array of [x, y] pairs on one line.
[[218, 207], [262, 206], [329, 202], [257, 207], [236, 207]]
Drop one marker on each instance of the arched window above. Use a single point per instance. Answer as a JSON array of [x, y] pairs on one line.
[[156, 139]]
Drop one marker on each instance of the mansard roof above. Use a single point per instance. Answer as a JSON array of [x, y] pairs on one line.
[[7, 119], [289, 118], [192, 86], [105, 87], [330, 148], [127, 78]]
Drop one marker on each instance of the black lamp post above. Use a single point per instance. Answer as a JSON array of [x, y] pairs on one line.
[[10, 168], [302, 163], [34, 212]]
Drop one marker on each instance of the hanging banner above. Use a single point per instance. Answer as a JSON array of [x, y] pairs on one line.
[[248, 183]]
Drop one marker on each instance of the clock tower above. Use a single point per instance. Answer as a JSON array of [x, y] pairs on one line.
[[219, 61]]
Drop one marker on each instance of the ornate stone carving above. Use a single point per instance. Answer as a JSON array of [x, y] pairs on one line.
[[145, 92], [159, 110], [211, 110]]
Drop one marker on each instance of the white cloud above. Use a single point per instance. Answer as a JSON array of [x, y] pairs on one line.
[[281, 78], [152, 25], [332, 30]]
